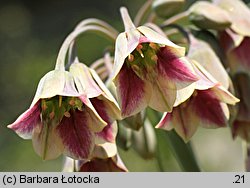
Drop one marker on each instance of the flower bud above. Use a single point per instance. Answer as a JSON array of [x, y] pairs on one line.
[[208, 16]]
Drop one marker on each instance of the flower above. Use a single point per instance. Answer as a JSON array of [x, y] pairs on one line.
[[241, 123], [88, 82], [148, 69], [206, 107], [105, 159], [62, 120]]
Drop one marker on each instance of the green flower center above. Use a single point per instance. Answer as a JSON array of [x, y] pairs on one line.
[[143, 59], [55, 108]]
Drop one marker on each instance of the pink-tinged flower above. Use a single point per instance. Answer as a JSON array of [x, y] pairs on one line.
[[241, 123], [105, 159], [237, 54], [148, 69], [239, 15], [60, 120], [206, 107], [89, 83]]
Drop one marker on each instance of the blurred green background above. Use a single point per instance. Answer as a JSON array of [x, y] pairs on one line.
[[31, 33]]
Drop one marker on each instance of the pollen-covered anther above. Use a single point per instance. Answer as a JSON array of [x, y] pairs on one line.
[[154, 58], [131, 57], [52, 115], [153, 45], [72, 102], [43, 105], [139, 49], [67, 114]]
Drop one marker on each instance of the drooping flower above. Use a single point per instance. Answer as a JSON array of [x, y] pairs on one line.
[[241, 123], [105, 159], [148, 69], [89, 83], [237, 54], [206, 107], [62, 120]]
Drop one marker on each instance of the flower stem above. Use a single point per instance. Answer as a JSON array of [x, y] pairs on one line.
[[183, 152], [88, 22], [144, 10], [128, 24], [175, 18], [60, 62]]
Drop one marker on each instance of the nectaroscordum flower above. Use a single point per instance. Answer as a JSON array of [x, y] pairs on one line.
[[62, 120], [147, 69], [206, 107]]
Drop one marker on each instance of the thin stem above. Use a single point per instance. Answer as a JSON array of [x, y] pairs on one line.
[[108, 62], [60, 62], [175, 18], [142, 12], [128, 24], [97, 22]]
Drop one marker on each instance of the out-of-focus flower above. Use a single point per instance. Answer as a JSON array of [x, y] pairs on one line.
[[209, 16], [237, 54], [241, 124], [148, 69], [206, 107], [239, 15], [105, 159], [167, 8]]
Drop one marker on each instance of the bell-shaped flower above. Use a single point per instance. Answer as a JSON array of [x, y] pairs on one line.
[[60, 120], [148, 69], [105, 159], [88, 82], [239, 15], [237, 54], [209, 16], [207, 107], [241, 123]]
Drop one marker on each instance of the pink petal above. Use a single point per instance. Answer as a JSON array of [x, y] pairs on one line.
[[76, 135], [102, 165], [174, 68], [107, 133], [165, 122], [185, 121], [242, 129], [26, 122], [241, 53], [133, 93], [207, 106]]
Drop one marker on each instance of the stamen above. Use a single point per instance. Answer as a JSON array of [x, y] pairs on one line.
[[60, 100], [153, 45], [52, 115], [139, 49], [154, 58], [44, 106], [67, 114], [130, 57], [72, 102]]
